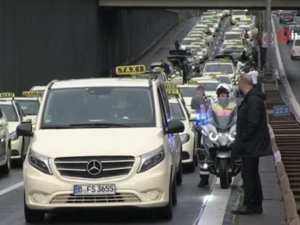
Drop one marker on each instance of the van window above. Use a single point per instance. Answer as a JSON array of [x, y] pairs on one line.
[[93, 106]]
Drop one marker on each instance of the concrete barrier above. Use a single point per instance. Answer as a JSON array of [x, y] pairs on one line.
[[280, 169], [284, 184], [290, 207], [289, 202]]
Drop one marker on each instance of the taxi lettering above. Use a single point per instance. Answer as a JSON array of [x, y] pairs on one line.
[[130, 70]]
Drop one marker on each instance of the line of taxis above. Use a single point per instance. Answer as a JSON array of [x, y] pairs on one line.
[[118, 143], [112, 142], [236, 43]]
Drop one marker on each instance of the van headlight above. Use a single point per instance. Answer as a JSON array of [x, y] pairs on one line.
[[39, 162], [151, 159], [184, 138], [13, 136]]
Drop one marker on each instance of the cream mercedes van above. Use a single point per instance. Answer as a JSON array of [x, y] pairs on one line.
[[103, 142]]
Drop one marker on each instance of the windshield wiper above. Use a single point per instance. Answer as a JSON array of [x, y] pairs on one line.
[[95, 125], [56, 127]]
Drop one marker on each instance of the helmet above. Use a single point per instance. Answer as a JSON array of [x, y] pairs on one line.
[[223, 88]]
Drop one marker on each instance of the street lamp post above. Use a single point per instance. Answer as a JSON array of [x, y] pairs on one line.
[[269, 33]]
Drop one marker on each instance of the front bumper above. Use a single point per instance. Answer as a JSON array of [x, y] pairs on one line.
[[188, 151], [146, 189], [295, 54], [16, 148]]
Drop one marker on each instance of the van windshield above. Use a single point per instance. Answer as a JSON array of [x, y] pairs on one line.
[[10, 112], [232, 36], [297, 42], [238, 12], [218, 68], [99, 107]]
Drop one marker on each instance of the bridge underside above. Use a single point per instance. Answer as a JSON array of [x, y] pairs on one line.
[[228, 4]]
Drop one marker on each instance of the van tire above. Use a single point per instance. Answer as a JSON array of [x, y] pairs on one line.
[[23, 154], [5, 169], [174, 193], [179, 174], [166, 212]]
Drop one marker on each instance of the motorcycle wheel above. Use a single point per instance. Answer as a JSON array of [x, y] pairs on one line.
[[224, 174]]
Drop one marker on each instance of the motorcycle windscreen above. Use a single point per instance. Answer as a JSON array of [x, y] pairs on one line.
[[223, 118]]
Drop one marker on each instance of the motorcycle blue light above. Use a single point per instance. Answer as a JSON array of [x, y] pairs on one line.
[[201, 118]]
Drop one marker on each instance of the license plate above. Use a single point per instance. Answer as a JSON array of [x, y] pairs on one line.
[[98, 189]]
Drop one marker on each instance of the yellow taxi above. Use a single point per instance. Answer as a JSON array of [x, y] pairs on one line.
[[209, 83], [188, 136], [30, 104], [5, 145], [14, 116], [219, 67], [102, 142]]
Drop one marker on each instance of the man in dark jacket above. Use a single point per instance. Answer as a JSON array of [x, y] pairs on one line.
[[252, 141]]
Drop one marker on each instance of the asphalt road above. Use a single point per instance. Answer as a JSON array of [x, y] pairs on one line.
[[292, 67], [190, 197]]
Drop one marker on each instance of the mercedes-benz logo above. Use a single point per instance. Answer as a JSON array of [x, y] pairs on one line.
[[94, 167]]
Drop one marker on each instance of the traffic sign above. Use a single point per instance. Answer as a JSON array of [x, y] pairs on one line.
[[281, 110], [267, 39]]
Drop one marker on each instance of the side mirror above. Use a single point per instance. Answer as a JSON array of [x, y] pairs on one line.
[[24, 129], [175, 126]]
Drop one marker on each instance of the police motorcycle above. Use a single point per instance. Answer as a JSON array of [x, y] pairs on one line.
[[218, 135]]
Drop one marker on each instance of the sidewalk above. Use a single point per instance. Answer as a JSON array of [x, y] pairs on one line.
[[273, 206], [272, 203]]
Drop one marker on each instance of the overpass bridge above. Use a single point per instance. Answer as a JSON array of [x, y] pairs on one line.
[[250, 4]]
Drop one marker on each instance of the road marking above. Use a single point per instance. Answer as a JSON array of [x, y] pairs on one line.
[[215, 206], [11, 188]]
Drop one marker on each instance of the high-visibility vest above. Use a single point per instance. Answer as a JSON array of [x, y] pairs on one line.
[[220, 111]]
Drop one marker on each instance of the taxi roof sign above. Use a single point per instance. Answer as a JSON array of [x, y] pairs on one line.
[[130, 70], [214, 76], [30, 93], [171, 88], [7, 95], [192, 82]]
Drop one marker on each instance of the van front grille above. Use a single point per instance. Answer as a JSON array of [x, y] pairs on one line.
[[94, 166]]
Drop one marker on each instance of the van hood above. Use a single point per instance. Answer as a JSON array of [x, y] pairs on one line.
[[95, 142]]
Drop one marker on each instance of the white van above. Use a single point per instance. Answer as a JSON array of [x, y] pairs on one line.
[[295, 51], [103, 142]]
